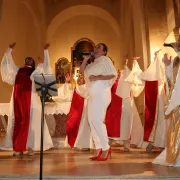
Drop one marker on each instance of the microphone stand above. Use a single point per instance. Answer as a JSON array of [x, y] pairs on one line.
[[44, 91]]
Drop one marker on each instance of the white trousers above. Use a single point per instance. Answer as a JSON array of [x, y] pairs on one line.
[[97, 105]]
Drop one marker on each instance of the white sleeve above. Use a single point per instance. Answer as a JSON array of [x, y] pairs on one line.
[[46, 65], [65, 93], [109, 69], [134, 76], [8, 68], [43, 67]]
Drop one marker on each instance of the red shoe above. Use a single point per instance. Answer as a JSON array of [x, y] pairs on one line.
[[95, 157], [107, 156]]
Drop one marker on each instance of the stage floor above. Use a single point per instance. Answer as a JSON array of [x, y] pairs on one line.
[[67, 163]]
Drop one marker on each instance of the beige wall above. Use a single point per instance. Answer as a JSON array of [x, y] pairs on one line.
[[170, 15], [171, 25], [55, 7], [157, 24], [19, 24]]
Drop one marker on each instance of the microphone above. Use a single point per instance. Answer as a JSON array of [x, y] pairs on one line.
[[87, 54]]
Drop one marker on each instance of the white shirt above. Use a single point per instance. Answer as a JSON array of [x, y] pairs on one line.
[[101, 66]]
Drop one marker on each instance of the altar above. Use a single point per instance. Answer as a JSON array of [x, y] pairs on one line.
[[55, 115]]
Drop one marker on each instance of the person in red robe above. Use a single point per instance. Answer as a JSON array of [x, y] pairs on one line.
[[77, 126], [23, 136]]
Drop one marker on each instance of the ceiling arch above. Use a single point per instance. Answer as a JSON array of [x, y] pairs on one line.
[[81, 10]]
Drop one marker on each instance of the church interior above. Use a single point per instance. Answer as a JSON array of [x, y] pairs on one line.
[[129, 28]]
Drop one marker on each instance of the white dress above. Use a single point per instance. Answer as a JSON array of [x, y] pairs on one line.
[[8, 72]]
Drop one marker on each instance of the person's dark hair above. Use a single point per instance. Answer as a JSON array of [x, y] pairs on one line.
[[32, 65], [105, 48]]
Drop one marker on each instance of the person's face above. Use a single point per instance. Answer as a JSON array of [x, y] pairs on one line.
[[98, 50]]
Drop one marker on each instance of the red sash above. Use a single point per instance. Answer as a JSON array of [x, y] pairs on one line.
[[74, 118], [151, 95], [113, 114], [22, 104]]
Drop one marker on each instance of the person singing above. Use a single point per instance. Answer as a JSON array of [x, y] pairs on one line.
[[99, 76]]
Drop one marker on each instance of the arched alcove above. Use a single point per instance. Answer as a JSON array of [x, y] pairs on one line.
[[83, 45], [62, 68]]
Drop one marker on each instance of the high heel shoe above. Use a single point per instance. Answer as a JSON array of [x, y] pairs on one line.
[[107, 156], [95, 157]]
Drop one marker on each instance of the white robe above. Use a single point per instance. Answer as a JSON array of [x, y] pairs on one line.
[[84, 139], [8, 72], [131, 126], [156, 72]]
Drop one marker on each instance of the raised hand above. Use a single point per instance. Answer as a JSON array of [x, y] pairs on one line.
[[12, 45], [156, 53], [136, 57], [46, 46], [80, 81], [86, 57], [39, 59], [166, 59]]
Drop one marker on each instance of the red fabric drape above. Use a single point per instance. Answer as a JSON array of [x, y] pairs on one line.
[[74, 118], [151, 95], [113, 114], [22, 104]]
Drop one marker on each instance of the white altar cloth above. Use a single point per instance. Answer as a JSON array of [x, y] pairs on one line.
[[50, 108]]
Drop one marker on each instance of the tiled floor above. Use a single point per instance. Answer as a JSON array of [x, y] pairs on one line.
[[67, 162]]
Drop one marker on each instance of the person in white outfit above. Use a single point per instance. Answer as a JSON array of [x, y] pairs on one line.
[[99, 76]]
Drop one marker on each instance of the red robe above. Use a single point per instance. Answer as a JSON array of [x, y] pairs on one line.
[[113, 114], [151, 96], [22, 104], [74, 118]]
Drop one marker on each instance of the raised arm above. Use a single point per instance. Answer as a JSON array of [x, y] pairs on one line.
[[8, 67], [81, 88], [83, 65], [46, 64]]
